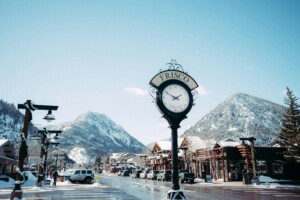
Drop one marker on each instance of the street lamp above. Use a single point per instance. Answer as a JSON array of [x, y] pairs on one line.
[[45, 142], [49, 117], [23, 152]]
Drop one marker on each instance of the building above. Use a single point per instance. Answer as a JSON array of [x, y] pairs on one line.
[[228, 160], [7, 157]]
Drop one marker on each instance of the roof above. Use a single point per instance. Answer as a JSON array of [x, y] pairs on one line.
[[228, 143], [165, 145], [122, 155], [195, 142], [3, 141]]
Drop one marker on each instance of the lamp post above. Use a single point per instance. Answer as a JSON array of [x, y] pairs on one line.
[[23, 152], [45, 142]]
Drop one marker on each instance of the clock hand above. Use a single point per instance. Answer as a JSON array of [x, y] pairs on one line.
[[171, 95], [177, 97]]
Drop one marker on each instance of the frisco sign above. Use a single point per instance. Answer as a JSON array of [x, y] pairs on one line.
[[167, 75]]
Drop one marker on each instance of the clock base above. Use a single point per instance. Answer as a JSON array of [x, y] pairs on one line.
[[176, 194]]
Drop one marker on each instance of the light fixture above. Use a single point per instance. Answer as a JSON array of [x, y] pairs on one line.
[[49, 117]]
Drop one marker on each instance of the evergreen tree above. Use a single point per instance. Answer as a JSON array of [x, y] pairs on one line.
[[289, 134], [97, 164]]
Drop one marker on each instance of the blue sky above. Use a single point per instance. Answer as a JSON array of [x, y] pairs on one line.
[[100, 55]]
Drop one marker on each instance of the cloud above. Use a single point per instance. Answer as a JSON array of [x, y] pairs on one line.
[[202, 91], [136, 91]]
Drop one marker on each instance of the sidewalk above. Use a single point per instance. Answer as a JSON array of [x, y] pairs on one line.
[[220, 182]]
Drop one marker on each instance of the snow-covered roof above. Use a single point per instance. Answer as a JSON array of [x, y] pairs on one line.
[[3, 141], [165, 145], [122, 155], [180, 140], [228, 143], [195, 142]]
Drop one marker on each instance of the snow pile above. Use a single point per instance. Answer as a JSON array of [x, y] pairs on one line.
[[9, 184], [29, 177], [64, 183], [266, 179]]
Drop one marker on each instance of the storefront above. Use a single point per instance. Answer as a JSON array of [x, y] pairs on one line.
[[7, 157]]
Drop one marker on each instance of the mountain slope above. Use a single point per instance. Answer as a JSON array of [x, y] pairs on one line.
[[11, 123], [241, 115], [98, 135]]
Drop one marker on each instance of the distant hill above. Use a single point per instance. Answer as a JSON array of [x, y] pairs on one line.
[[98, 135], [93, 132], [241, 115]]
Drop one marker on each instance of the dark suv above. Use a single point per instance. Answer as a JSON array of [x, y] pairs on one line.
[[164, 175]]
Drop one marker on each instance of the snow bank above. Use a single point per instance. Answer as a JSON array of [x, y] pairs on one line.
[[267, 179], [9, 184], [29, 177]]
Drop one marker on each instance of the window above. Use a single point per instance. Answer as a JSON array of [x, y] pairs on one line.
[[262, 167], [89, 172], [83, 172], [277, 168], [77, 172]]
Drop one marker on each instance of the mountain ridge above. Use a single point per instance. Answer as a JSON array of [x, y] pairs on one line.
[[98, 134], [240, 115]]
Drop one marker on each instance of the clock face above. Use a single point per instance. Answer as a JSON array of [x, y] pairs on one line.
[[175, 98]]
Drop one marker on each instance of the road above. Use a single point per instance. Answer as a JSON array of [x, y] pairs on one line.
[[125, 188], [152, 190]]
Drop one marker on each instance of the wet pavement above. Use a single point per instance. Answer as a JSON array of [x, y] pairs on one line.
[[71, 192], [125, 188]]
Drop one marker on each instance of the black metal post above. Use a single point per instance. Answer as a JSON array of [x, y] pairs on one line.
[[175, 178], [176, 193], [45, 159]]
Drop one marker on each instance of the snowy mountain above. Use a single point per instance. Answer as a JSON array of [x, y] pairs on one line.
[[95, 134], [11, 123], [241, 115]]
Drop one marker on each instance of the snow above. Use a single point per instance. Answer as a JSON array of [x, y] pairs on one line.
[[3, 141], [78, 154], [31, 181]]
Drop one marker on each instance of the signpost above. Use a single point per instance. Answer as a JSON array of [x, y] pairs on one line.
[[174, 98]]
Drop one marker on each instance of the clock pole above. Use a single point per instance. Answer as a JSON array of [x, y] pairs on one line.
[[175, 193], [174, 99]]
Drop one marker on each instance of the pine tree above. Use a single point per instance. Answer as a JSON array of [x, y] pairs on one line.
[[97, 164], [289, 134]]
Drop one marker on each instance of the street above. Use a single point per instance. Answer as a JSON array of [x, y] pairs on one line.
[[114, 187], [151, 190]]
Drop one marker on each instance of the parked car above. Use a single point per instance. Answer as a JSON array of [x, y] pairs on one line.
[[164, 175], [136, 173], [80, 175], [186, 176], [144, 173], [125, 173], [152, 174]]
